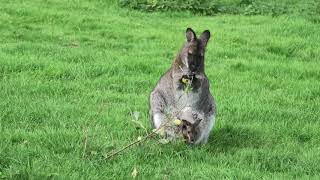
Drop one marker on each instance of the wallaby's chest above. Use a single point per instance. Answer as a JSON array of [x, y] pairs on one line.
[[183, 99]]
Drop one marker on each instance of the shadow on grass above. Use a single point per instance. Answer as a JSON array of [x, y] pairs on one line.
[[232, 138]]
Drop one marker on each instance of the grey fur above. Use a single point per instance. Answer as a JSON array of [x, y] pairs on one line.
[[169, 94]]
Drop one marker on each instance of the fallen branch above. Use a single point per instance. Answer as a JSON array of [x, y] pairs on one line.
[[131, 144], [139, 140]]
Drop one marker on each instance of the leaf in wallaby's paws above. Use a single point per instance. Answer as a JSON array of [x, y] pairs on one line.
[[177, 122], [134, 173], [185, 80], [163, 141]]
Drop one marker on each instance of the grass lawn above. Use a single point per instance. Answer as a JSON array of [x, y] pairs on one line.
[[72, 70]]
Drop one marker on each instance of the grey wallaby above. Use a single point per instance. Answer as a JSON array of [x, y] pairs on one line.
[[169, 93]]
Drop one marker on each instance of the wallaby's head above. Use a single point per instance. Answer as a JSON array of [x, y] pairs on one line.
[[191, 57], [190, 131]]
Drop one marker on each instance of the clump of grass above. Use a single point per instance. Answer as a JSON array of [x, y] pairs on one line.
[[215, 7]]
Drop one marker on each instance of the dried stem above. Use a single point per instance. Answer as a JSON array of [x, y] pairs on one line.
[[135, 142]]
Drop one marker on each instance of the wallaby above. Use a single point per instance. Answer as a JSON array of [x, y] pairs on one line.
[[170, 95]]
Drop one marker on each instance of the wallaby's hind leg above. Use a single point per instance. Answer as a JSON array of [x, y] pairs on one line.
[[157, 105], [205, 139], [158, 119], [211, 121]]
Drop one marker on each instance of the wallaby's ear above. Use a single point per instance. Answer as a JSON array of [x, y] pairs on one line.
[[191, 36], [205, 36]]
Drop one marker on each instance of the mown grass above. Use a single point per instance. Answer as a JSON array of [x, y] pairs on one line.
[[71, 67]]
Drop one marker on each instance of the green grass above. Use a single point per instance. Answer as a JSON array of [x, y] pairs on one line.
[[71, 66]]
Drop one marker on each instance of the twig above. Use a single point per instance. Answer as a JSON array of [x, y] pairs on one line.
[[85, 132], [136, 142], [185, 105], [131, 144]]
